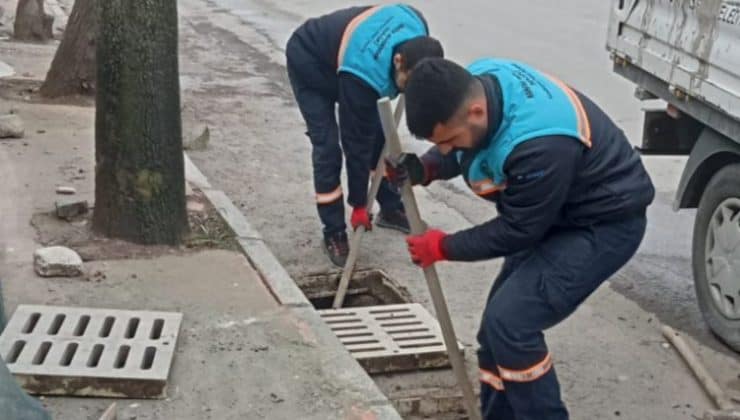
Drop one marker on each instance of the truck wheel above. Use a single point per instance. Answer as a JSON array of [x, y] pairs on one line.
[[716, 255]]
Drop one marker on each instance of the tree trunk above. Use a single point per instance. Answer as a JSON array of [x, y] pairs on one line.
[[139, 176], [73, 70], [31, 21]]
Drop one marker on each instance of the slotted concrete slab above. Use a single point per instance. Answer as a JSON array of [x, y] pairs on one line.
[[389, 338], [56, 350]]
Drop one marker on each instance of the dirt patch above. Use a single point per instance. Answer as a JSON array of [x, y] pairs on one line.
[[207, 231], [27, 90]]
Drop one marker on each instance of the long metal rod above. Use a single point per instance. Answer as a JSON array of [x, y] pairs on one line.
[[354, 245], [418, 227]]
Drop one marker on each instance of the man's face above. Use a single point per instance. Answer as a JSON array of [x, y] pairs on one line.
[[465, 130], [401, 78], [400, 73]]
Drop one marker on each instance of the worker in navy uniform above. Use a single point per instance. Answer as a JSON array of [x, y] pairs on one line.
[[570, 193], [352, 57]]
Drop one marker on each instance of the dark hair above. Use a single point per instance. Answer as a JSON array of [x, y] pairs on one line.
[[417, 49], [436, 89]]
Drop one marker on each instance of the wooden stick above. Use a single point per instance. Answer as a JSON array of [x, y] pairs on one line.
[[430, 273], [711, 387], [354, 245]]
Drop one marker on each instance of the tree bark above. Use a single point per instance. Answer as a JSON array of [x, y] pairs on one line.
[[72, 71], [31, 22], [139, 179]]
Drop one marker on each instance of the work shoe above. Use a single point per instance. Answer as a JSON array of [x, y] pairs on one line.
[[394, 219], [337, 248]]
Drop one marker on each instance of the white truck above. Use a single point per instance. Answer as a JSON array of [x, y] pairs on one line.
[[687, 53]]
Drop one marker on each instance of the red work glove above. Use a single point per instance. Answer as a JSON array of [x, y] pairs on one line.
[[426, 249], [360, 217], [407, 166]]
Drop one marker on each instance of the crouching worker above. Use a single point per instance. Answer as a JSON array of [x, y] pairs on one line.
[[571, 196]]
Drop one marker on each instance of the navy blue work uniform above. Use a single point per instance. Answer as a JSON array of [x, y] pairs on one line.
[[346, 57], [571, 195]]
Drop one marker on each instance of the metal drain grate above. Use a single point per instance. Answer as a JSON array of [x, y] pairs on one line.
[[389, 338], [56, 350]]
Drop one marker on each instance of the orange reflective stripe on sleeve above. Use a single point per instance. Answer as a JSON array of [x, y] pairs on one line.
[[488, 377], [330, 197], [350, 29], [527, 375], [584, 126], [486, 187]]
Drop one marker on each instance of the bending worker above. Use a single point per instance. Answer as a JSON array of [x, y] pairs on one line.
[[571, 196], [353, 57]]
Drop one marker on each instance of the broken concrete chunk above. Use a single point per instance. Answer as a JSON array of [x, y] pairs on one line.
[[69, 209], [11, 126], [195, 206], [66, 190], [200, 142], [57, 261]]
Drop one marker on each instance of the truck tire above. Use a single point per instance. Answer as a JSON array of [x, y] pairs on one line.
[[716, 255]]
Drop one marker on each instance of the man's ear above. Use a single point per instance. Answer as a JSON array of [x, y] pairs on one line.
[[476, 110], [399, 63]]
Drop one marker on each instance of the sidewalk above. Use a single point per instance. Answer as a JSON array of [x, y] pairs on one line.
[[245, 351]]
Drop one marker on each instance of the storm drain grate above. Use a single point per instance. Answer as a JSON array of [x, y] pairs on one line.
[[56, 350], [389, 338]]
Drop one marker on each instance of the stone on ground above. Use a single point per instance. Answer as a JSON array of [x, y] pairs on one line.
[[69, 209], [11, 126], [57, 261], [66, 190]]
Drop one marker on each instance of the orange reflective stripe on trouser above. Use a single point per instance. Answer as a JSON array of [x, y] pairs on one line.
[[330, 197], [350, 29], [527, 375], [584, 125], [488, 377]]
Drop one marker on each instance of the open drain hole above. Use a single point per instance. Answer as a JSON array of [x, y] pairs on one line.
[[122, 357], [107, 326], [148, 361], [69, 354], [133, 325], [41, 354], [366, 288], [82, 324], [95, 354], [157, 328], [56, 324], [31, 323], [15, 351]]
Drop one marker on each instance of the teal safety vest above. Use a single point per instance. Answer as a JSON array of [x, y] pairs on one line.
[[366, 50], [534, 105]]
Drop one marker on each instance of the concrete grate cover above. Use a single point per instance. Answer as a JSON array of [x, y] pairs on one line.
[[55, 350], [389, 338]]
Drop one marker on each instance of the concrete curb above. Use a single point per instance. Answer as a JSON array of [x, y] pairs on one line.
[[337, 361], [250, 241]]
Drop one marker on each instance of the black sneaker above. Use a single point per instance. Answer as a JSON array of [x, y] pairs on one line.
[[394, 219], [337, 248]]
